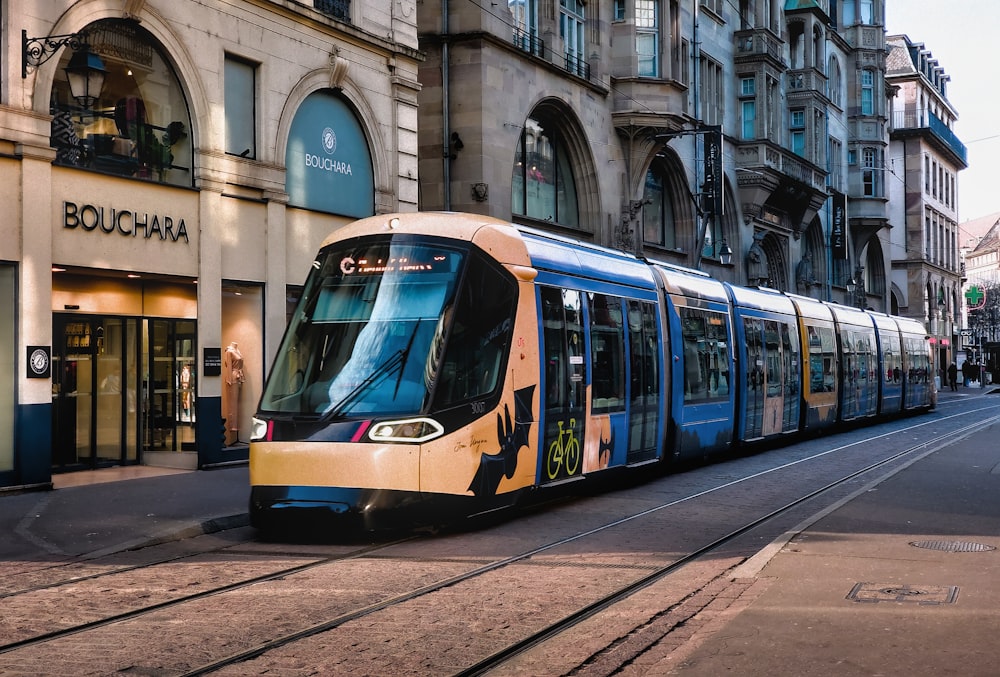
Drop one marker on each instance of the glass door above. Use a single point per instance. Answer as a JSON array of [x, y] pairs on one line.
[[184, 368], [93, 391], [168, 385], [72, 390]]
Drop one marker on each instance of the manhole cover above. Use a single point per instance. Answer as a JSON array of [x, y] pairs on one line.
[[872, 593], [953, 546]]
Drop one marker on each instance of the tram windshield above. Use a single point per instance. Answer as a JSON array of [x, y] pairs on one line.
[[368, 331]]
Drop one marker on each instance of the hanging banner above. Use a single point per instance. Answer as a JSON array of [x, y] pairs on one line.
[[838, 226]]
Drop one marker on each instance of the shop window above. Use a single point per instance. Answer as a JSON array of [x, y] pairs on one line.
[[139, 124], [543, 186], [241, 107]]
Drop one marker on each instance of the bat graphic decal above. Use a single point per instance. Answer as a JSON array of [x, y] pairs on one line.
[[511, 436]]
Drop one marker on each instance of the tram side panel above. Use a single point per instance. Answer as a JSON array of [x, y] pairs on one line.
[[890, 373], [820, 363], [769, 388], [918, 382], [703, 372], [859, 364], [498, 447]]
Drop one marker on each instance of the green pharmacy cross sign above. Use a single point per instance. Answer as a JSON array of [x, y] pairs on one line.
[[975, 297]]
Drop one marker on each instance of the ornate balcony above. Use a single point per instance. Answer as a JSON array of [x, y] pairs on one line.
[[758, 44]]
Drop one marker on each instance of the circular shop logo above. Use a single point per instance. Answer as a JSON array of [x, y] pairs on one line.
[[39, 361], [329, 141]]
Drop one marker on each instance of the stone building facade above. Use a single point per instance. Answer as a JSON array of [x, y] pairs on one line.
[[158, 225], [926, 157], [681, 131]]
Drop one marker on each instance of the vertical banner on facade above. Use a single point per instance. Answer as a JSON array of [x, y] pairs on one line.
[[713, 172], [838, 226]]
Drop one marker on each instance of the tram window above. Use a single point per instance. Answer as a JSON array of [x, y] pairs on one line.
[[642, 351], [822, 359], [773, 358], [706, 349], [790, 350], [607, 353], [563, 338], [479, 340], [891, 359]]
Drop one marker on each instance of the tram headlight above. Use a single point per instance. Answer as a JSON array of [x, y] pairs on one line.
[[413, 430], [258, 429]]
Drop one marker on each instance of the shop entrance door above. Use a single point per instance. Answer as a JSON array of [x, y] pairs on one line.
[[168, 355], [94, 382]]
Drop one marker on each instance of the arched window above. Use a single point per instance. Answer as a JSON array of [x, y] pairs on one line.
[[542, 186], [833, 73], [658, 210], [139, 124]]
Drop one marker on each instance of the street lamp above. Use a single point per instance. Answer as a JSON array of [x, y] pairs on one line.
[[85, 71], [725, 254]]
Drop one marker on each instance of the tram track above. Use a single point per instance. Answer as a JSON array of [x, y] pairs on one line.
[[501, 657], [644, 575], [183, 599]]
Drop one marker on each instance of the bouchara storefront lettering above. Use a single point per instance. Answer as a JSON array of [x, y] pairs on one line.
[[124, 222]]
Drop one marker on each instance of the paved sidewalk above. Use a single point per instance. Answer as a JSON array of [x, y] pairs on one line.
[[903, 579], [98, 518]]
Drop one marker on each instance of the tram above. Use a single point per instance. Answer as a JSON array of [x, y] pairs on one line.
[[446, 364]]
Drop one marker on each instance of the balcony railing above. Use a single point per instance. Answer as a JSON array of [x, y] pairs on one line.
[[757, 43], [338, 9], [925, 119], [526, 42], [577, 66]]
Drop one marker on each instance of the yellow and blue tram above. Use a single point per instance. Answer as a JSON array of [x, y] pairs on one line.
[[440, 364]]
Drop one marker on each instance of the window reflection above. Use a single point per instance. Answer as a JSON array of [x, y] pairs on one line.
[[139, 126], [543, 186]]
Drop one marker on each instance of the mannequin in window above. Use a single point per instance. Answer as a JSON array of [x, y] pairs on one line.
[[232, 368], [186, 392]]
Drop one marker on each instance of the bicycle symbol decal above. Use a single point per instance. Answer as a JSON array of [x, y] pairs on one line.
[[564, 452]]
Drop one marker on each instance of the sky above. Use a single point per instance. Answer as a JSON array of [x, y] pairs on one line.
[[960, 34]]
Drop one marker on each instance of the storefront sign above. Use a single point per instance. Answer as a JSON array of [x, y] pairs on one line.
[[39, 361], [124, 222], [328, 161], [211, 362]]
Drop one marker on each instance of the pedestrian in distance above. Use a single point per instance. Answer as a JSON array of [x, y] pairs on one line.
[[953, 376]]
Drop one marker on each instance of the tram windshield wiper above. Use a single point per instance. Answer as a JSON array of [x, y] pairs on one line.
[[395, 361]]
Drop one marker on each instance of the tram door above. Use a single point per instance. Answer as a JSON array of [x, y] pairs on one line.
[[565, 385], [94, 391], [766, 413], [644, 376]]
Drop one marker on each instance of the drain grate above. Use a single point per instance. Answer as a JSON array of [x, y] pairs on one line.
[[953, 546], [926, 595]]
